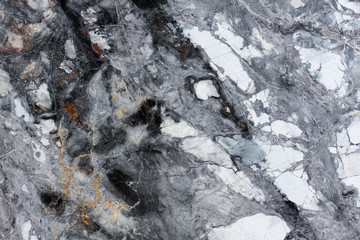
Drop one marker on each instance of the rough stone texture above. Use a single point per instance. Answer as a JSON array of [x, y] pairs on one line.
[[179, 119]]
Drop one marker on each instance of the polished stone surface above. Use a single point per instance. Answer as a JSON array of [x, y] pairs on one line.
[[180, 119]]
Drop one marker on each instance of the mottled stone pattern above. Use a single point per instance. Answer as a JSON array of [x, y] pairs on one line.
[[180, 119]]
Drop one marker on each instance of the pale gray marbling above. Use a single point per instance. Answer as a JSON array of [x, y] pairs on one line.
[[180, 119]]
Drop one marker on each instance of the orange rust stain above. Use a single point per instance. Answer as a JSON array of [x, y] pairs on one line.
[[83, 33], [96, 48], [67, 180], [71, 110]]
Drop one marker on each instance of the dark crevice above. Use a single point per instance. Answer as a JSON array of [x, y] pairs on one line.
[[148, 113], [120, 181], [75, 19], [145, 4], [54, 201], [167, 32]]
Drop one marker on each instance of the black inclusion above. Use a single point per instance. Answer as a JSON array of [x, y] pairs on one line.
[[110, 138], [120, 181], [144, 4], [53, 200], [149, 113]]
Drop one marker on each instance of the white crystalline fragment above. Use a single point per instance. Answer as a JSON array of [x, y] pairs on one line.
[[226, 32], [41, 97], [178, 129], [238, 182], [24, 188], [70, 49], [297, 3], [340, 18], [284, 128], [205, 89], [67, 66], [47, 126], [263, 118], [354, 131], [266, 129], [33, 237], [262, 97], [280, 158], [191, 6], [342, 141], [26, 227], [45, 141], [250, 52], [326, 66], [100, 40], [353, 148], [5, 86], [89, 16], [206, 150], [268, 47], [332, 150], [221, 56], [20, 110], [355, 182], [350, 165], [38, 4], [255, 227], [147, 48], [354, 6], [297, 190], [15, 41]]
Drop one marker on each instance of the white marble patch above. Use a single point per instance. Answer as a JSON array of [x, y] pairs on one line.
[[26, 227], [205, 89], [99, 39], [297, 3], [354, 131], [238, 182], [260, 119], [354, 182], [89, 16], [40, 4], [67, 66], [351, 166], [20, 110], [326, 66], [70, 49], [223, 60], [298, 190], [353, 5], [279, 158], [261, 96], [41, 97], [267, 47], [225, 32], [178, 129], [15, 40], [289, 130], [5, 86], [207, 151], [255, 227], [46, 126]]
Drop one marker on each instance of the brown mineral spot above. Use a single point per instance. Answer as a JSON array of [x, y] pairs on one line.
[[96, 48], [71, 110], [38, 154]]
